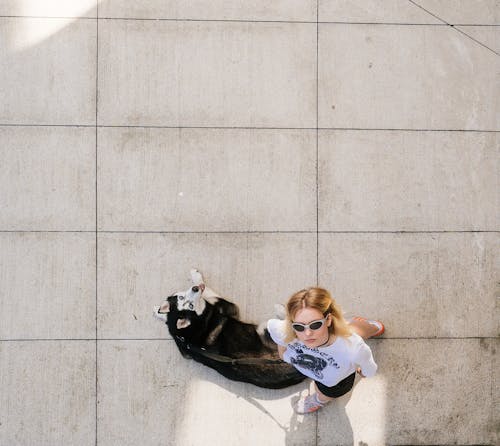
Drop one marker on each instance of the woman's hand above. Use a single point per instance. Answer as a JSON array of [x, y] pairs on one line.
[[360, 372]]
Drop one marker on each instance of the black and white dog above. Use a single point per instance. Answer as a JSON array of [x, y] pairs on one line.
[[207, 329]]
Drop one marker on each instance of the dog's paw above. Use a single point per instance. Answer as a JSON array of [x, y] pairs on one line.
[[158, 315], [261, 328], [196, 277], [279, 311]]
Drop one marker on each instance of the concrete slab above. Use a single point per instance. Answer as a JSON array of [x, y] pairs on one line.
[[289, 10], [397, 80], [140, 392], [49, 8], [137, 271], [428, 391], [253, 74], [419, 285], [48, 393], [484, 12], [36, 53], [149, 394], [48, 285], [487, 35], [373, 11], [408, 181], [207, 180], [48, 178]]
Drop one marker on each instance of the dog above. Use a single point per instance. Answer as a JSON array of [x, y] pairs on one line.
[[208, 329]]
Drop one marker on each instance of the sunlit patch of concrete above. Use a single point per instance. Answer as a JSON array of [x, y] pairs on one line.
[[45, 19], [216, 410]]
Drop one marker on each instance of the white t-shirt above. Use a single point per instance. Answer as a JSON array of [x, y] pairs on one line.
[[330, 364]]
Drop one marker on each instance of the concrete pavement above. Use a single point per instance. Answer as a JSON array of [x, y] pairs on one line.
[[272, 145]]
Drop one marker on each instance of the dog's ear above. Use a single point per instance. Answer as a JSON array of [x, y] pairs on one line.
[[165, 307], [183, 323]]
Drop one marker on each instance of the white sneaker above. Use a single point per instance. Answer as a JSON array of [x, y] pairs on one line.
[[308, 404]]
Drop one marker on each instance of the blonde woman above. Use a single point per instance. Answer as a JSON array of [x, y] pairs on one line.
[[317, 340]]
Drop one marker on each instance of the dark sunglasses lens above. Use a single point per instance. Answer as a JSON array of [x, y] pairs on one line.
[[298, 327], [316, 325]]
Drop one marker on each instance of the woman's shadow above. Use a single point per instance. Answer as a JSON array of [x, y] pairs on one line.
[[332, 425]]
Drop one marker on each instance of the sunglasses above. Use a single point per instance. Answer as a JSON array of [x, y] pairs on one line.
[[314, 325]]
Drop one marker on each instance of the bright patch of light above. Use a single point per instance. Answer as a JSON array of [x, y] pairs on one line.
[[44, 19]]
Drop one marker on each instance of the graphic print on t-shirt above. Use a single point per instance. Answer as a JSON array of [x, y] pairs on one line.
[[310, 362]]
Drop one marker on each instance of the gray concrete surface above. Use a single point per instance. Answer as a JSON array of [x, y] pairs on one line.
[[272, 145]]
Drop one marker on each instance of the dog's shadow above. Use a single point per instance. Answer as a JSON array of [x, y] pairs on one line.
[[297, 429]]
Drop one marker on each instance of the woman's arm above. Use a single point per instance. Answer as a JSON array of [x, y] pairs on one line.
[[281, 350], [364, 358]]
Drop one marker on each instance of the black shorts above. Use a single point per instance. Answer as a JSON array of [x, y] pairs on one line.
[[339, 389]]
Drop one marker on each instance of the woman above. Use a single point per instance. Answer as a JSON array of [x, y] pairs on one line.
[[322, 345]]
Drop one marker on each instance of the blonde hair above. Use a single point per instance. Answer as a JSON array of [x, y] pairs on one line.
[[321, 300]]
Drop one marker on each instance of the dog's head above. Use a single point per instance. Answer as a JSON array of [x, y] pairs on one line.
[[179, 309]]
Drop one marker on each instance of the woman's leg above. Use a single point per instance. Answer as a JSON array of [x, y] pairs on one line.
[[322, 397], [364, 328], [311, 403], [318, 399]]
